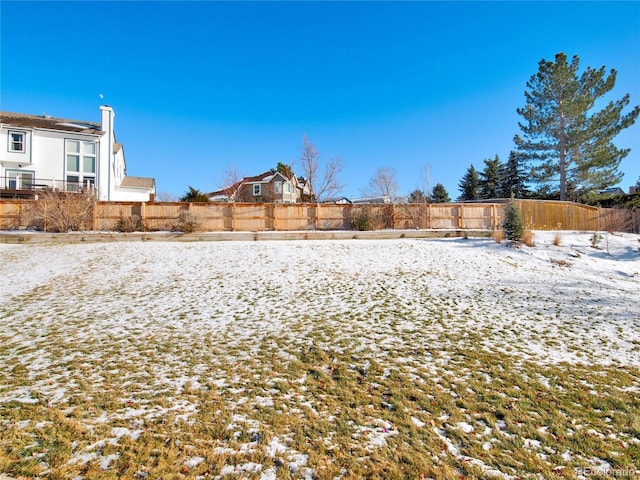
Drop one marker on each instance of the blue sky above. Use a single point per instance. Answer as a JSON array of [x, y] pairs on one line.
[[199, 87]]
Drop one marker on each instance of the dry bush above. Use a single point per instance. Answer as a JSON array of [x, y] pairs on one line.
[[528, 239], [133, 223], [186, 223], [557, 239], [498, 236], [63, 211], [411, 214]]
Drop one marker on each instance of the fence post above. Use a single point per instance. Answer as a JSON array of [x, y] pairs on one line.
[[494, 216], [233, 217]]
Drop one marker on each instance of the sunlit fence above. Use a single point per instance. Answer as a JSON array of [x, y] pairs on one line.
[[536, 215]]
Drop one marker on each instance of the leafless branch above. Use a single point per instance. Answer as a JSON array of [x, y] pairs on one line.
[[325, 184]]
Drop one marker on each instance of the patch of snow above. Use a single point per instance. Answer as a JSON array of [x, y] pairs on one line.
[[417, 422]]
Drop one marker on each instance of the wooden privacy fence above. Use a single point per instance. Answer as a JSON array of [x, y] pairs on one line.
[[536, 215]]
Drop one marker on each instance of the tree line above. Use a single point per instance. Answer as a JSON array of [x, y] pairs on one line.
[[564, 150]]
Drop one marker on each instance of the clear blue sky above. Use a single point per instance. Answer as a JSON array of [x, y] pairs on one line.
[[198, 87]]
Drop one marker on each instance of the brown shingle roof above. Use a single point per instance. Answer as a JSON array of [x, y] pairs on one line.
[[51, 123], [138, 182]]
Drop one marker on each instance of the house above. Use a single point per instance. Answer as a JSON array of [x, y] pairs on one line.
[[269, 187], [39, 152], [611, 191]]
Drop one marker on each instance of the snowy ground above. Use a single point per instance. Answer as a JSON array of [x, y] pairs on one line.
[[321, 359]]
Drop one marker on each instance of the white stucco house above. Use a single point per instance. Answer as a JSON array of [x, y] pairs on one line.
[[42, 152]]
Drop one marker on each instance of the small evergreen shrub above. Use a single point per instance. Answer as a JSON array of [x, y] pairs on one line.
[[513, 226], [361, 222]]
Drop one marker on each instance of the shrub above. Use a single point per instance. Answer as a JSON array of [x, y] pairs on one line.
[[498, 236], [527, 238], [557, 239], [63, 211], [134, 223], [361, 221], [513, 226], [186, 223]]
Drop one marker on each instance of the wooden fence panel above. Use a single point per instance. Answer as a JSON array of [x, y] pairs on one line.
[[163, 216], [294, 216], [251, 217], [556, 215], [11, 213], [536, 215], [333, 217], [443, 215]]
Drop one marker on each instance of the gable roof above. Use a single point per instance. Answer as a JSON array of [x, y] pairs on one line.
[[50, 123]]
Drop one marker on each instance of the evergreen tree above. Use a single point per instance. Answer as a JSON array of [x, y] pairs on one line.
[[513, 226], [470, 185], [417, 196], [440, 194], [563, 138], [638, 184], [512, 179], [490, 178], [194, 195], [285, 170]]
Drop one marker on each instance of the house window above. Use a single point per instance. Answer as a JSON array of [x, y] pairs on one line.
[[257, 189], [80, 164], [287, 187], [16, 142], [277, 186], [19, 179]]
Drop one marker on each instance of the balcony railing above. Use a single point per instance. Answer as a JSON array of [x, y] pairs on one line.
[[28, 187]]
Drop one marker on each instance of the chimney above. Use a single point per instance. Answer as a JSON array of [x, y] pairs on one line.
[[106, 119]]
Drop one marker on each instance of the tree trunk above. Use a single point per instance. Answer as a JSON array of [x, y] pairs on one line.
[[563, 160]]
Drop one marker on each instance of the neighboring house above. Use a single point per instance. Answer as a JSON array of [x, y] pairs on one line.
[[338, 201], [42, 152], [378, 199], [271, 187], [611, 191]]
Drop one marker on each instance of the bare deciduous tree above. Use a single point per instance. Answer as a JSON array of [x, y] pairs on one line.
[[325, 184], [425, 176], [383, 183], [230, 177], [166, 197]]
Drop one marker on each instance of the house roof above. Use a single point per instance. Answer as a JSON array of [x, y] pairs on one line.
[[138, 182], [51, 123], [231, 189]]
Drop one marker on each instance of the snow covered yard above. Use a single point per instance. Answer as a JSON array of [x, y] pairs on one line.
[[320, 359]]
